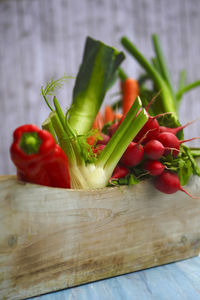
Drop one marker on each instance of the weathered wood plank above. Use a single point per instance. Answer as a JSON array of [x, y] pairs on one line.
[[44, 39], [180, 280], [51, 238]]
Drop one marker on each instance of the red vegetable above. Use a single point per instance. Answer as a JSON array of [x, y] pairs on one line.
[[113, 127], [149, 131], [171, 142], [38, 158], [98, 148], [169, 183], [154, 149], [105, 139], [154, 167], [133, 155], [119, 172], [174, 130]]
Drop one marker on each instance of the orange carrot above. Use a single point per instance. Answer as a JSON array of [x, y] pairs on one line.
[[109, 114], [130, 90], [98, 122], [118, 116]]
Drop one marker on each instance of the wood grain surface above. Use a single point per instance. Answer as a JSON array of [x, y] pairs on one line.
[[52, 238], [44, 39], [175, 281]]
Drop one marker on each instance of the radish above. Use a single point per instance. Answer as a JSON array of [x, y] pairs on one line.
[[169, 183], [170, 141], [150, 130], [154, 149], [119, 172], [154, 167], [176, 129], [113, 127], [104, 140], [133, 155]]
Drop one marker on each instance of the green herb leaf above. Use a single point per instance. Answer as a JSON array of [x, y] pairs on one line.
[[133, 180], [51, 87], [196, 170], [184, 164]]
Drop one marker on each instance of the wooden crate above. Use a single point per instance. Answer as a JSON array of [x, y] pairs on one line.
[[52, 239]]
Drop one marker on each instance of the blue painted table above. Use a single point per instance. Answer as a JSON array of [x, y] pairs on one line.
[[175, 281]]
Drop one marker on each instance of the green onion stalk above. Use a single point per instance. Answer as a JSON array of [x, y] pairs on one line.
[[166, 102], [169, 100]]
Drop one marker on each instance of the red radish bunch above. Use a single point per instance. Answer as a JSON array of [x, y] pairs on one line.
[[147, 149]]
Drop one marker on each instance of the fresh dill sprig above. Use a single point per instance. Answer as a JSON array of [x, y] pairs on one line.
[[52, 86]]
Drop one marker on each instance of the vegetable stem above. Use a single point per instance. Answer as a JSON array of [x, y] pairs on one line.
[[166, 100], [127, 130], [161, 62], [113, 142], [131, 132], [122, 75], [187, 88], [47, 125], [63, 138], [182, 79]]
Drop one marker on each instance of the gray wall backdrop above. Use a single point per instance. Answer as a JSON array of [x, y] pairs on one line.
[[41, 39]]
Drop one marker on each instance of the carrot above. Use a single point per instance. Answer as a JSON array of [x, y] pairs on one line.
[[98, 122], [109, 114], [118, 116], [130, 90]]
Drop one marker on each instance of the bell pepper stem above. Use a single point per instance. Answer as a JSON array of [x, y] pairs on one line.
[[30, 142]]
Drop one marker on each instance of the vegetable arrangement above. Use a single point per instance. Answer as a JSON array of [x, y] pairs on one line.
[[84, 148]]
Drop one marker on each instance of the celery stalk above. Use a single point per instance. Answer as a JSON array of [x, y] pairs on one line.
[[135, 126], [119, 134]]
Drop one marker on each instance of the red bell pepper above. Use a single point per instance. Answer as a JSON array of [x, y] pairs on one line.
[[38, 158]]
